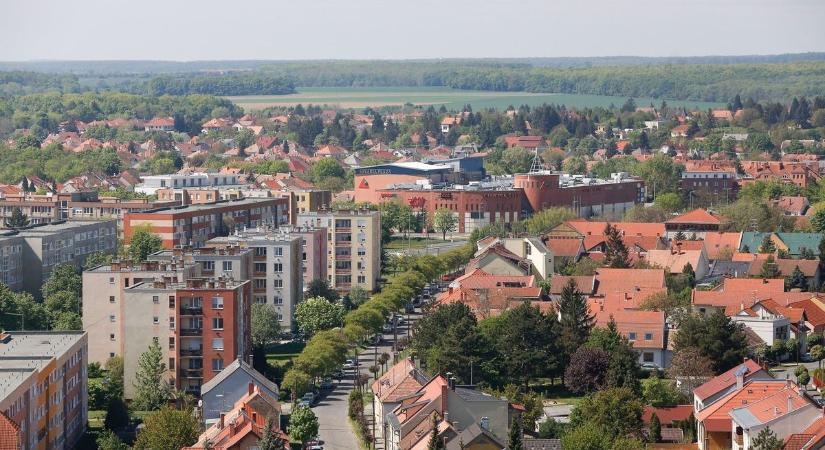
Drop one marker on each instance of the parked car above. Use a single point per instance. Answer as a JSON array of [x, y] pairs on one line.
[[349, 364], [649, 367], [327, 384], [409, 308], [304, 404]]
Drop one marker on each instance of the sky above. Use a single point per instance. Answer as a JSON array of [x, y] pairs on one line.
[[185, 30]]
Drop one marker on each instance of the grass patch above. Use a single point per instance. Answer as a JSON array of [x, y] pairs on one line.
[[280, 354], [398, 243]]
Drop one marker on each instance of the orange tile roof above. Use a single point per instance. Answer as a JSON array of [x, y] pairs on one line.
[[688, 245], [697, 216], [674, 261], [814, 310], [716, 417], [725, 380], [398, 382], [667, 414], [585, 283], [564, 246], [586, 228], [776, 404], [639, 322], [809, 438], [10, 436], [479, 279], [716, 241], [628, 280], [785, 266]]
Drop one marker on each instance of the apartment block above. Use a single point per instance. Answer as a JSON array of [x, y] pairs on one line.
[[230, 262], [81, 205], [43, 389], [195, 224], [277, 269], [152, 183], [202, 325], [104, 308], [353, 246], [30, 254], [309, 200]]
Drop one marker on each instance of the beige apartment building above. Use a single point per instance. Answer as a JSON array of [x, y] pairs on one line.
[[104, 309], [353, 246], [43, 388]]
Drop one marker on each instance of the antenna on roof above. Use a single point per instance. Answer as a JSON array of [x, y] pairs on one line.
[[537, 165]]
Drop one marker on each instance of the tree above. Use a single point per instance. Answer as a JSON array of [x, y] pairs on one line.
[[618, 411], [303, 425], [550, 429], [97, 259], [589, 436], [575, 319], [797, 280], [114, 376], [264, 325], [655, 428], [17, 219], [658, 392], [818, 219], [818, 354], [616, 254], [143, 244], [435, 442], [767, 440], [767, 245], [151, 390], [168, 429], [716, 337], [326, 168], [587, 370], [316, 314], [514, 441], [63, 278], [526, 339], [444, 221], [669, 202], [271, 438], [624, 361], [108, 440], [319, 287], [770, 269], [117, 414]]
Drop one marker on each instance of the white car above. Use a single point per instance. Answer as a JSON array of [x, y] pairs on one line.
[[349, 364]]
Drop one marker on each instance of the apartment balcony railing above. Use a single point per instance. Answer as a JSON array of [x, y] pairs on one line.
[[191, 373], [187, 310], [190, 352], [191, 331]]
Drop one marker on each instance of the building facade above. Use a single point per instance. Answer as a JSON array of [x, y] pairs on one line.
[[43, 389], [195, 224], [586, 196], [152, 183], [353, 246]]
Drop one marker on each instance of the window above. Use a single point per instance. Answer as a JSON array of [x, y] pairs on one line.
[[171, 343], [111, 317], [278, 283], [171, 363], [260, 267], [279, 251], [112, 337], [111, 280], [227, 266], [155, 299], [259, 283], [171, 322], [648, 336], [279, 267], [217, 365], [217, 344], [647, 357], [155, 320], [208, 265], [217, 323], [260, 251], [171, 301], [362, 279], [111, 299], [278, 300], [631, 336], [217, 302]]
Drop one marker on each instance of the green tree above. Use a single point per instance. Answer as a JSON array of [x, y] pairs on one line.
[[618, 411], [797, 280], [588, 436], [658, 392], [655, 428], [444, 221], [143, 244], [117, 414], [66, 321], [108, 440], [17, 219], [63, 278], [114, 377], [168, 429], [514, 438], [527, 342], [319, 287], [616, 253], [271, 438], [716, 337], [326, 168], [303, 425], [550, 429], [316, 314], [547, 219], [669, 202], [576, 321], [767, 440], [264, 325], [97, 259], [770, 269], [818, 219], [151, 390], [767, 245], [818, 354], [435, 442], [623, 370]]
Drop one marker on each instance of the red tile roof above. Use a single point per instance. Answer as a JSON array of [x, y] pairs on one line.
[[398, 382], [667, 414], [10, 437], [564, 246], [716, 241], [809, 438], [814, 310], [628, 228], [697, 216], [716, 417], [479, 279], [585, 283], [628, 280], [725, 380], [673, 260]]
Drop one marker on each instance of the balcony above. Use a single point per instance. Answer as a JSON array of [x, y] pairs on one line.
[[191, 373], [193, 391], [191, 331], [343, 271], [191, 310], [191, 352], [343, 243]]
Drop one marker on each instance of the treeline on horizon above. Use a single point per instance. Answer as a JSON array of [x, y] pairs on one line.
[[694, 82]]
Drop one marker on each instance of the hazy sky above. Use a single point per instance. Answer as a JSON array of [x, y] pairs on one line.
[[397, 29]]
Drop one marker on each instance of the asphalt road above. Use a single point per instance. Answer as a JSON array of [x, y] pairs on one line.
[[334, 429]]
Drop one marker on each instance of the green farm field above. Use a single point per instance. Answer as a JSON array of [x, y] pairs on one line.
[[357, 98]]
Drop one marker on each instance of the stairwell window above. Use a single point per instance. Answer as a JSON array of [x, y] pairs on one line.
[[217, 302]]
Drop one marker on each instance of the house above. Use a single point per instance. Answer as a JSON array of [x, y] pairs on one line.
[[732, 292], [525, 142], [230, 384], [401, 380], [216, 124], [723, 384], [670, 419], [792, 243], [697, 221], [646, 330], [785, 411], [680, 131], [814, 308], [812, 437], [242, 427], [792, 205], [808, 267], [771, 322], [160, 124], [475, 437], [721, 244], [675, 259], [532, 249], [449, 122], [455, 408], [722, 114], [565, 251], [497, 259], [612, 290]]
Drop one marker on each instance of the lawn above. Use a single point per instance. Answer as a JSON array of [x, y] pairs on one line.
[[359, 98], [398, 243], [280, 354]]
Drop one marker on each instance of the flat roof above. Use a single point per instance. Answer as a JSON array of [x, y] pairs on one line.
[[27, 351], [201, 285], [208, 206], [273, 236], [414, 165], [53, 227]]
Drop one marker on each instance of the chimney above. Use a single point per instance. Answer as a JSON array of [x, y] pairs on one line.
[[790, 404], [115, 266], [447, 416], [250, 388], [221, 424], [485, 423], [740, 379], [444, 389]]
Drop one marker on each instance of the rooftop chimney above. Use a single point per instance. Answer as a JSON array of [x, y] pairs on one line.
[[221, 424], [250, 388], [790, 404], [740, 379]]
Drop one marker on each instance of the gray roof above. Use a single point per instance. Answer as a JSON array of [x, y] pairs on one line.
[[232, 368], [469, 434], [472, 395], [542, 444]]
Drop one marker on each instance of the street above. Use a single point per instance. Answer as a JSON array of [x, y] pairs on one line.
[[335, 430]]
